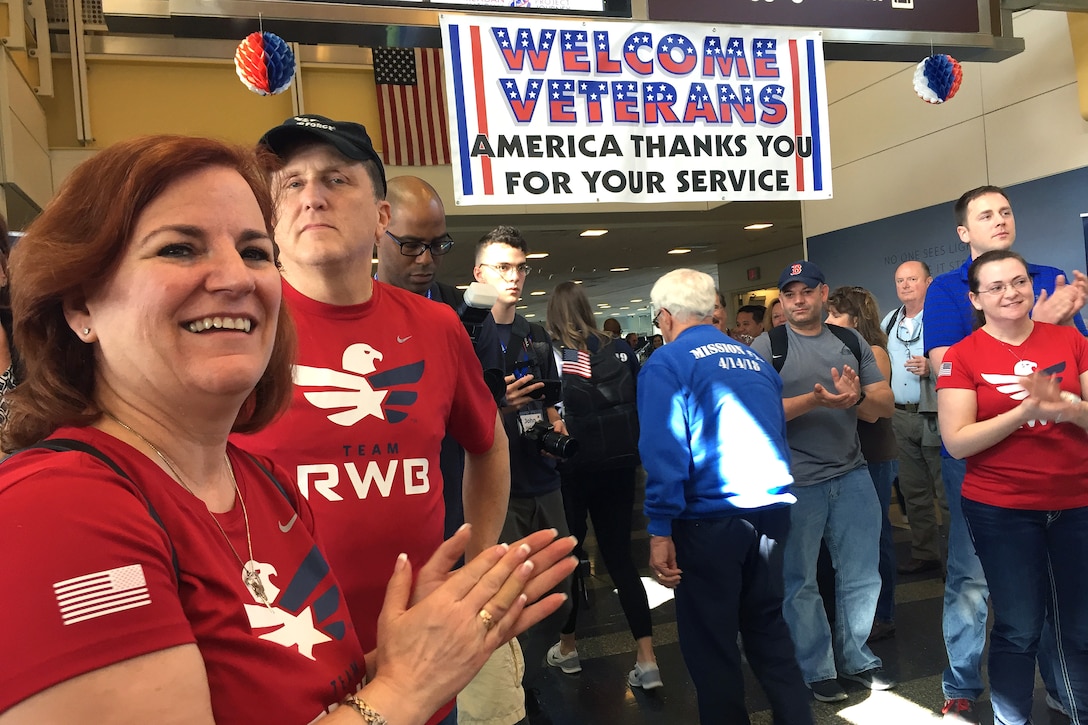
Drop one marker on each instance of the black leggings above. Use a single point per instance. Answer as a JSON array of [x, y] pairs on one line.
[[609, 498]]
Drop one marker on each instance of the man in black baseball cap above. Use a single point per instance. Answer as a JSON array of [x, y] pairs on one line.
[[350, 139], [381, 376]]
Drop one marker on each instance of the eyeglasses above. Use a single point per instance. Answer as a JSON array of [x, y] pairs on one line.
[[505, 269], [996, 290], [436, 247], [911, 328], [658, 316]]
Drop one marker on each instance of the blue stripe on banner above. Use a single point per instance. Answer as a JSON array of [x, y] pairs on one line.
[[462, 122], [814, 115]]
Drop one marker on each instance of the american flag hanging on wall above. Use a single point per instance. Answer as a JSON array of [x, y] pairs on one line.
[[412, 106]]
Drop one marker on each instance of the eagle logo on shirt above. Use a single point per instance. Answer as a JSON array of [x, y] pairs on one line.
[[1010, 384], [359, 390]]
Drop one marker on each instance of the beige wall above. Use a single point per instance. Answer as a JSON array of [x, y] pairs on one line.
[[1011, 122]]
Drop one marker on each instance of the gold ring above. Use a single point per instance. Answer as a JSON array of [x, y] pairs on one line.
[[487, 619]]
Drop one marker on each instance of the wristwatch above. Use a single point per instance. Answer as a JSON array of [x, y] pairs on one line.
[[860, 398]]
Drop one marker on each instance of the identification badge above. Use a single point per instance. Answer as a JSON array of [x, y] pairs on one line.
[[528, 418]]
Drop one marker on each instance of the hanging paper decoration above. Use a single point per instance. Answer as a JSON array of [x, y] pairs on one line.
[[265, 63], [937, 78]]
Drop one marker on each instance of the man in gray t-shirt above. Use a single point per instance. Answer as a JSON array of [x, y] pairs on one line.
[[826, 388]]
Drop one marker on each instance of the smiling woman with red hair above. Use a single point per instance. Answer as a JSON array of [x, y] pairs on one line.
[[157, 579]]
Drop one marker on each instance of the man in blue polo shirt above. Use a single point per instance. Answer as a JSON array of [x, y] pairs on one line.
[[984, 221]]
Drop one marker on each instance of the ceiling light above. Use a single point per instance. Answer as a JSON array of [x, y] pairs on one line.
[[462, 286], [679, 250], [537, 293], [594, 233], [374, 261], [625, 308], [521, 307], [605, 307], [638, 300], [620, 269], [530, 315], [603, 304], [598, 313], [536, 255], [761, 225], [576, 281]]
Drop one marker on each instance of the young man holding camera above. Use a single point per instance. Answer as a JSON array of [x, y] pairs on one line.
[[536, 501]]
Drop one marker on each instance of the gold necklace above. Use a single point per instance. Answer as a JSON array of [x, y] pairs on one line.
[[249, 576]]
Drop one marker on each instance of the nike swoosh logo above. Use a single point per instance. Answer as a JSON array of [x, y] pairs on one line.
[[289, 525], [403, 339], [776, 356]]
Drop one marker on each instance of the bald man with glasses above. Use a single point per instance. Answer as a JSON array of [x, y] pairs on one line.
[[915, 419]]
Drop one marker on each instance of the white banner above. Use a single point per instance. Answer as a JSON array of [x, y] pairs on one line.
[[563, 111]]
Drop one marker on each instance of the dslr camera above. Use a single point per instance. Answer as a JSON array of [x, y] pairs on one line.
[[548, 441]]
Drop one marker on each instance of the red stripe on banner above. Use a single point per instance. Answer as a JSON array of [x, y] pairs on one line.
[[481, 106], [794, 66]]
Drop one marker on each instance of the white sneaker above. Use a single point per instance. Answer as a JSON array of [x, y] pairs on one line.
[[567, 662], [648, 677]]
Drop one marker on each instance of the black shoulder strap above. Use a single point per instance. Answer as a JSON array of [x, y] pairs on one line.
[[780, 345], [892, 319], [849, 339], [69, 444]]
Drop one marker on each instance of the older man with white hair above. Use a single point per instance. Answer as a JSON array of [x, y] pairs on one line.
[[718, 520]]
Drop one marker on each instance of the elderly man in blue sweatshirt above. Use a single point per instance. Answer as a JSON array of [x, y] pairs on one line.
[[718, 520]]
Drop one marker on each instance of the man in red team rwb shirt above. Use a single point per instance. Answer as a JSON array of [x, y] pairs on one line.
[[382, 375]]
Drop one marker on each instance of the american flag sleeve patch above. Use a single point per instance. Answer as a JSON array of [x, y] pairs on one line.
[[106, 592]]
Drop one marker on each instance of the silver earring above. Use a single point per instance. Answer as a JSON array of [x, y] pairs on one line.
[[86, 331]]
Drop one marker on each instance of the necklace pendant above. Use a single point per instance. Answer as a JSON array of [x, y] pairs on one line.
[[253, 581]]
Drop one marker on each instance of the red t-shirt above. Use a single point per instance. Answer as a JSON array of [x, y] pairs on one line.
[[377, 385], [90, 582], [1041, 465]]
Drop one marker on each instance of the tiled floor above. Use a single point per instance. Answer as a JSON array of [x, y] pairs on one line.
[[600, 694]]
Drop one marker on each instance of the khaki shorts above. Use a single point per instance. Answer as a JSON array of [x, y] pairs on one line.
[[495, 695]]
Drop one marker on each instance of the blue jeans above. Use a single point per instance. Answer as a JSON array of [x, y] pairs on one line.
[[883, 475], [965, 595], [845, 512], [965, 605], [1036, 563]]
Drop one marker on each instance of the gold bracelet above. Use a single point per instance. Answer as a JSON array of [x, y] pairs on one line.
[[369, 714]]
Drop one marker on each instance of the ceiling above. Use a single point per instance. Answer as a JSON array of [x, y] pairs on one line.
[[639, 240]]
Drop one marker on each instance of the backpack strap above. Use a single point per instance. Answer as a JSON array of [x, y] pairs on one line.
[[780, 343], [780, 346], [849, 339], [68, 444]]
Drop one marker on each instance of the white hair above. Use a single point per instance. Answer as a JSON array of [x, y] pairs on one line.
[[688, 295]]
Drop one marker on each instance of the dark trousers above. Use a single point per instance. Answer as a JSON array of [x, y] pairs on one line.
[[732, 582], [608, 497]]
